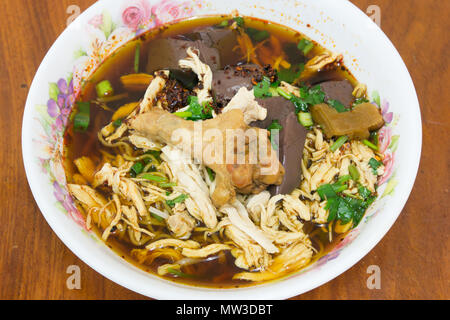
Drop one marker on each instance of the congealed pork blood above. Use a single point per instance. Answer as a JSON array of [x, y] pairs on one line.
[[227, 82], [291, 140], [222, 39], [340, 90], [166, 53]]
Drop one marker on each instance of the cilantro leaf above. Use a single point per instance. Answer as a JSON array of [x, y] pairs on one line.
[[308, 97], [337, 105], [240, 21], [196, 111], [359, 101], [262, 89], [374, 164], [291, 74]]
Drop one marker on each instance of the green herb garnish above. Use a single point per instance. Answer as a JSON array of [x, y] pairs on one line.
[[137, 168], [83, 116], [305, 119], [370, 145], [137, 57], [239, 21], [337, 105], [291, 74], [359, 101], [353, 172], [274, 130], [152, 177], [338, 143], [305, 46], [374, 164], [117, 123], [211, 174], [257, 35], [179, 199], [104, 89], [178, 273], [261, 90]]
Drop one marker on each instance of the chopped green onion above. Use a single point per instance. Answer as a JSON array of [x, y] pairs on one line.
[[211, 174], [257, 35], [273, 92], [305, 46], [274, 130], [374, 137], [179, 199], [183, 114], [284, 94], [158, 214], [223, 24], [151, 177], [117, 123], [104, 89], [353, 172], [344, 179], [167, 184], [137, 168], [275, 125], [137, 57], [338, 143], [154, 215], [370, 145], [339, 188], [179, 273], [114, 98], [82, 118], [305, 118]]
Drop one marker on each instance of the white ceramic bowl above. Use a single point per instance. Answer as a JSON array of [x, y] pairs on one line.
[[338, 25]]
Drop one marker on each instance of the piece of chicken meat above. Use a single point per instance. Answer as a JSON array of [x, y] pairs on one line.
[[248, 167]]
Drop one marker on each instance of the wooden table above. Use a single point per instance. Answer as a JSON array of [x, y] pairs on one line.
[[413, 256]]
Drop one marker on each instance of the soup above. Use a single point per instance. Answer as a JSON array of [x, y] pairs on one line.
[[211, 220]]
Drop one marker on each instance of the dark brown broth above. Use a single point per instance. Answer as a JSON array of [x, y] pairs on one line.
[[211, 273]]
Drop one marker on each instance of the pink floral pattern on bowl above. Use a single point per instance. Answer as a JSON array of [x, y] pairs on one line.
[[106, 36]]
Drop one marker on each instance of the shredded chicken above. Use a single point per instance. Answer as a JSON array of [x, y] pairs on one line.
[[189, 178], [181, 224], [173, 243], [115, 178], [203, 72], [143, 143], [205, 251], [239, 218], [249, 255], [245, 101], [292, 258]]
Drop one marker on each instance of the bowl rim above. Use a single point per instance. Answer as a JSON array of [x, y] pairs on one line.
[[171, 290]]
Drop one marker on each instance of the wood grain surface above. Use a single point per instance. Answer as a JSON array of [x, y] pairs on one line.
[[413, 256]]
